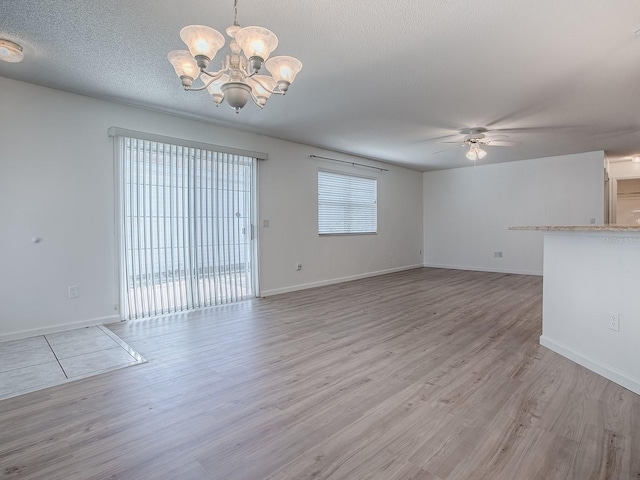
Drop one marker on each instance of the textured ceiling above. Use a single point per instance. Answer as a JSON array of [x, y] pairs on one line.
[[383, 80]]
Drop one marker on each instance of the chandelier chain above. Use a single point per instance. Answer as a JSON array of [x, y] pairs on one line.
[[235, 13]]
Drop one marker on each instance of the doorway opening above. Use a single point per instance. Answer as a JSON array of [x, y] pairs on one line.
[[628, 201], [186, 233]]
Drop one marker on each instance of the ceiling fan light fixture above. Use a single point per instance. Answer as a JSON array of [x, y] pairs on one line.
[[475, 152], [10, 51], [635, 159]]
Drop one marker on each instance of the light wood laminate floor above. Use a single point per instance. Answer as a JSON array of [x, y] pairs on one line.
[[427, 374]]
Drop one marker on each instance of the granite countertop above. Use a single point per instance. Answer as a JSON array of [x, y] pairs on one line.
[[580, 228]]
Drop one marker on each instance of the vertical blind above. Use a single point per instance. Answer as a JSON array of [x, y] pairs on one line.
[[347, 204], [185, 227]]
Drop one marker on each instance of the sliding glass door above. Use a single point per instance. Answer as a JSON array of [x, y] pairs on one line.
[[186, 227]]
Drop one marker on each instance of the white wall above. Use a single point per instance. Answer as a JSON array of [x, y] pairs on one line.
[[467, 211], [587, 276], [627, 169], [56, 182]]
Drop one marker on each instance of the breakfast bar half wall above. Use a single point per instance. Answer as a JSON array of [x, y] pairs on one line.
[[591, 298]]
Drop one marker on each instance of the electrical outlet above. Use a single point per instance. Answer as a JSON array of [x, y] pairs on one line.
[[74, 291], [614, 321], [298, 266]]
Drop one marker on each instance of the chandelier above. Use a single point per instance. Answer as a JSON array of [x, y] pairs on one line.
[[238, 79]]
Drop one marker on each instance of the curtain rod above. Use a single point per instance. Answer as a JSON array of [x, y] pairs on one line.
[[349, 163]]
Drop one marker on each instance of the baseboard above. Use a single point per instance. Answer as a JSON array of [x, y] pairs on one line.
[[480, 269], [606, 371], [333, 281], [32, 332]]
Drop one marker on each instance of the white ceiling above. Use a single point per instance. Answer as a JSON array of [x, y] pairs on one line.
[[382, 80]]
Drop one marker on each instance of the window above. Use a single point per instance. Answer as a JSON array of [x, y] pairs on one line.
[[185, 227], [347, 204]]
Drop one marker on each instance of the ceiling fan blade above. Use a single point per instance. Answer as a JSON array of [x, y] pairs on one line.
[[439, 151], [437, 139], [616, 133], [446, 149], [558, 129], [503, 143], [459, 143], [451, 135], [497, 136]]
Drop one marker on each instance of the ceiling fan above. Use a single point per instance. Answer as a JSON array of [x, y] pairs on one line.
[[476, 138]]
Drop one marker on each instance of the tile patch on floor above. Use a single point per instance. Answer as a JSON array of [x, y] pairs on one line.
[[43, 361], [83, 365]]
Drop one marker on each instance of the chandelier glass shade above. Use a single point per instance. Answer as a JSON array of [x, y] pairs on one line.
[[239, 79]]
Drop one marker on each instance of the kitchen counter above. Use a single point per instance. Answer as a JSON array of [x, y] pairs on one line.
[[580, 228]]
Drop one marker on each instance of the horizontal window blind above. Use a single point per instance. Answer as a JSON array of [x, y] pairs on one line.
[[347, 204], [185, 227]]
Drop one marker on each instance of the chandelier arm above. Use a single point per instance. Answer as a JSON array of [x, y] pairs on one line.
[[256, 101], [235, 13], [195, 89], [276, 92], [214, 75]]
